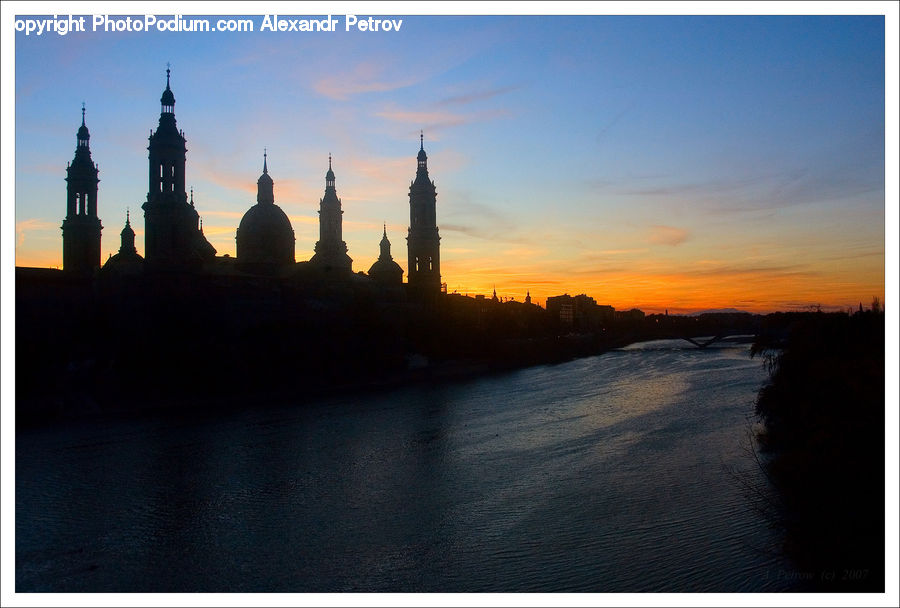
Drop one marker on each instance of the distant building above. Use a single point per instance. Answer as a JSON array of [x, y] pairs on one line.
[[579, 312], [630, 315]]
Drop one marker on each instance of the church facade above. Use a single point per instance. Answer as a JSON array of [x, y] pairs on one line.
[[265, 239]]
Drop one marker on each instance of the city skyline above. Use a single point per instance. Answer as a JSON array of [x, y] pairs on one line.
[[679, 163]]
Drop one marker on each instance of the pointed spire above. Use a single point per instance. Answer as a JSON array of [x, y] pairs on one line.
[[265, 185], [192, 196], [329, 175], [127, 216], [168, 98], [84, 135], [385, 246], [422, 158], [201, 225]]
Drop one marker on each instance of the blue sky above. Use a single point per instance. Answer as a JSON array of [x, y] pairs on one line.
[[651, 161]]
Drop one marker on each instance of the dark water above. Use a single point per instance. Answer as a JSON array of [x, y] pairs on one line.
[[613, 473]]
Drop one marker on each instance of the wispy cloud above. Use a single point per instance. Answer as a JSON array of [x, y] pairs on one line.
[[667, 235], [467, 98], [32, 225], [365, 77], [435, 120], [228, 214]]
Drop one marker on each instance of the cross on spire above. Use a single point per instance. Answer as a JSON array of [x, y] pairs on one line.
[[421, 139], [385, 230], [265, 166], [168, 69], [82, 113], [329, 160], [127, 216], [192, 199]]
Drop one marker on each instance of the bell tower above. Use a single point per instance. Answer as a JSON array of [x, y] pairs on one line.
[[172, 234], [81, 227], [423, 242]]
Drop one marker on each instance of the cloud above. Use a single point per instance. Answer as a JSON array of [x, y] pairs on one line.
[[366, 77], [467, 98], [437, 120], [667, 235], [228, 214], [752, 271], [32, 225]]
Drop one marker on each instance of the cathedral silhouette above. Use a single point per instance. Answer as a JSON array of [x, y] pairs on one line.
[[179, 326], [265, 243]]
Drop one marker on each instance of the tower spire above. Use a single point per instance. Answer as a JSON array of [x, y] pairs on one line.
[[82, 114], [168, 98], [421, 139], [265, 166]]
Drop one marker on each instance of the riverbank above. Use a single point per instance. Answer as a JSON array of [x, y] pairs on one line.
[[106, 400], [823, 441]]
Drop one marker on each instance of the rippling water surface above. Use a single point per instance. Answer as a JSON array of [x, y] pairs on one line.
[[612, 473]]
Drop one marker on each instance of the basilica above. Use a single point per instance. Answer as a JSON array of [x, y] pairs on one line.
[[265, 244]]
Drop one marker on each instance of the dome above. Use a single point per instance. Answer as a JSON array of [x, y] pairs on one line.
[[422, 155], [83, 132], [386, 271], [168, 97], [265, 236], [124, 264], [265, 179]]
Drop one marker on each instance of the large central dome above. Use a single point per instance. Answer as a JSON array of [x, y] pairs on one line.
[[265, 234]]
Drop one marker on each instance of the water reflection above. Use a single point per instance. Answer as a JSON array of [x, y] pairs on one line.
[[602, 474]]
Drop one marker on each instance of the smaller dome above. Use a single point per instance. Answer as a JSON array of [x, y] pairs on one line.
[[127, 232], [386, 271], [124, 264], [83, 132], [265, 178], [168, 97], [422, 155], [329, 176]]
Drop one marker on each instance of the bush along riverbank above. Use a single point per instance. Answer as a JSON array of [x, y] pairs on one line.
[[822, 438]]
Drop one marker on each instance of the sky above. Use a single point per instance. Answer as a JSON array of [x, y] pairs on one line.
[[676, 163]]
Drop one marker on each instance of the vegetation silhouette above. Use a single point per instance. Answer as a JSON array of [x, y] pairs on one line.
[[822, 443]]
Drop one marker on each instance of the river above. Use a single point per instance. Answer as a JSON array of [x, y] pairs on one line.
[[616, 473]]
